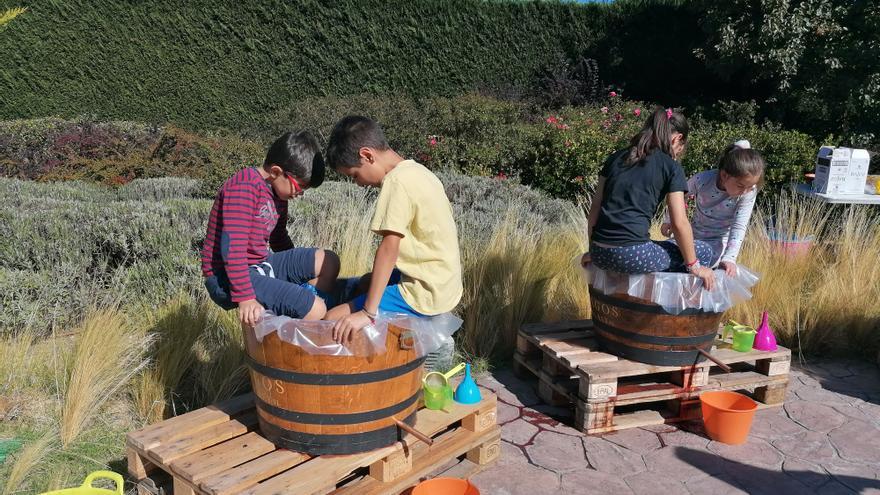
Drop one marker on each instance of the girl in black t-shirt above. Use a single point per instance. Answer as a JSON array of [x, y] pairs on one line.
[[631, 185]]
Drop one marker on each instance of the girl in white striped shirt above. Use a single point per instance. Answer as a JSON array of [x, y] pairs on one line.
[[724, 199]]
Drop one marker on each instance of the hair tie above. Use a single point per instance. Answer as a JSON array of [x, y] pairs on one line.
[[668, 113], [743, 144]]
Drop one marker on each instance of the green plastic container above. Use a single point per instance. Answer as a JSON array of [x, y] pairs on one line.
[[743, 336], [437, 391], [437, 398], [743, 339]]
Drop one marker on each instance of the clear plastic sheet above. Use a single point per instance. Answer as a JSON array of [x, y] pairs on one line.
[[315, 337], [677, 291]]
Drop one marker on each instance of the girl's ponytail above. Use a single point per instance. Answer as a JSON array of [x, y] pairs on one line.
[[657, 134]]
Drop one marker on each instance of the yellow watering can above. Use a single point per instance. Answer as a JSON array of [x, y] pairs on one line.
[[87, 489]]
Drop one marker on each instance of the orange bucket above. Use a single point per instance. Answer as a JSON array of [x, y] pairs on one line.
[[445, 486], [727, 416]]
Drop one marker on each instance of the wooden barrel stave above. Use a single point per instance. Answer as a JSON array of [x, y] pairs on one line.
[[333, 404], [642, 331]]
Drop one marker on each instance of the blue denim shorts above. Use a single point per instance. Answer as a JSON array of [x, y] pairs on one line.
[[280, 283]]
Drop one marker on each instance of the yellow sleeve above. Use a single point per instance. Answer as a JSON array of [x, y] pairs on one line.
[[394, 209]]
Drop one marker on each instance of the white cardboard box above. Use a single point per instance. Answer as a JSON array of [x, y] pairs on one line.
[[841, 171]]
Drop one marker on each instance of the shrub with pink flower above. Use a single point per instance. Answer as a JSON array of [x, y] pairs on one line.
[[637, 112], [577, 143]]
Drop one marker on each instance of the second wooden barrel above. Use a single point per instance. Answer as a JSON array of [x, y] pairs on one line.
[[640, 330], [322, 404]]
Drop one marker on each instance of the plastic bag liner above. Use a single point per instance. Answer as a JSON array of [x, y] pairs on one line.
[[316, 337], [676, 292]]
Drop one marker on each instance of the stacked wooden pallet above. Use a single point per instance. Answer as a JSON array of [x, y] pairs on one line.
[[218, 450], [611, 394]]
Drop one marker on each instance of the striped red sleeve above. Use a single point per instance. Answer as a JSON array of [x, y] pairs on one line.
[[279, 240], [239, 213]]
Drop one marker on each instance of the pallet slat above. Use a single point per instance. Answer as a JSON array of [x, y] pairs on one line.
[[170, 429], [248, 475], [623, 368], [198, 466], [203, 438]]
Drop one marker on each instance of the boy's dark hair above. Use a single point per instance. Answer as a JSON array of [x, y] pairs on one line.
[[657, 134], [298, 153], [351, 134], [739, 162]]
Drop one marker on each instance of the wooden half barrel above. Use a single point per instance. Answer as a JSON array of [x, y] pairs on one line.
[[640, 330], [322, 404]]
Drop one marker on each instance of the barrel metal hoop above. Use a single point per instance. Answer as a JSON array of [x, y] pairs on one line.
[[328, 379], [658, 358], [336, 419], [642, 308], [653, 339], [321, 444]]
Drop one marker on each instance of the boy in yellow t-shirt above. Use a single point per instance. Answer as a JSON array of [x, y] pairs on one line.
[[417, 269]]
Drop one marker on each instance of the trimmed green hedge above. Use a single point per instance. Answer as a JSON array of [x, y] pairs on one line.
[[227, 63]]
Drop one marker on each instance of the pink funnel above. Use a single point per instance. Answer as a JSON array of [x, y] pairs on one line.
[[765, 340]]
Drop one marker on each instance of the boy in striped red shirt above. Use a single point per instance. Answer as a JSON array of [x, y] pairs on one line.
[[250, 211]]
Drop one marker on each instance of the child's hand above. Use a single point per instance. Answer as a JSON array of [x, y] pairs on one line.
[[729, 268], [586, 259], [707, 275], [345, 328], [249, 312], [666, 229]]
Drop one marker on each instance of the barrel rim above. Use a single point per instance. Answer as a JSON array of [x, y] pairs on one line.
[[645, 308], [301, 378]]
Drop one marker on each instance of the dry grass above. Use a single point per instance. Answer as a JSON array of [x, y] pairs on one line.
[[342, 226], [523, 272], [827, 300], [176, 326], [220, 371], [15, 352], [108, 354], [29, 458]]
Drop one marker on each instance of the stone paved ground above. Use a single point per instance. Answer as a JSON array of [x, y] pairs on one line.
[[825, 440]]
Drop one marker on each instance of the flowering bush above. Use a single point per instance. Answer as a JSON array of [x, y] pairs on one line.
[[116, 153], [576, 142], [560, 152]]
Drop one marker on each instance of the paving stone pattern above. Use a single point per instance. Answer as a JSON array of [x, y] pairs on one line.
[[825, 440]]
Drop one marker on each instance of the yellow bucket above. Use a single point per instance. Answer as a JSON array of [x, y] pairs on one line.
[[87, 489]]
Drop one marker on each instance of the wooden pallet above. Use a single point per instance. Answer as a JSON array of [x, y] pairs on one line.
[[610, 393], [218, 450]]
